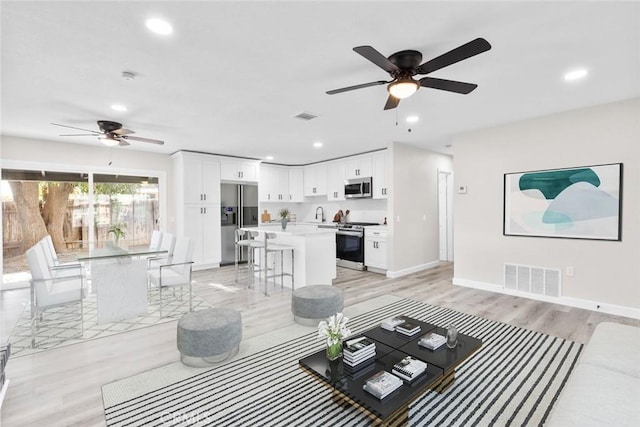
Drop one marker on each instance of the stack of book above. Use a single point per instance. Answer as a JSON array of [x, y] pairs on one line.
[[358, 351], [390, 324], [382, 384], [408, 328], [432, 340], [409, 368]]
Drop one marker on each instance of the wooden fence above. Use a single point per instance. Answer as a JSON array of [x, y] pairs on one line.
[[138, 216]]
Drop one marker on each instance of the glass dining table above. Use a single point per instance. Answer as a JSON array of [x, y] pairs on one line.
[[118, 277]]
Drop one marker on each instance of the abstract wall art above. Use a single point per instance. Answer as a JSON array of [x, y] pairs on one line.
[[577, 203]]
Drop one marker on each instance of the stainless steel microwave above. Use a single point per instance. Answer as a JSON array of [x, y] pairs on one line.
[[357, 188]]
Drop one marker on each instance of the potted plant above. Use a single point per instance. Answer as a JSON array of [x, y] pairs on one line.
[[284, 217], [117, 230]]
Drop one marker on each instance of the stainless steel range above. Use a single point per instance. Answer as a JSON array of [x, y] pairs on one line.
[[350, 244]]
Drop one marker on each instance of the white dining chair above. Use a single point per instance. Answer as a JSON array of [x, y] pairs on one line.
[[168, 244], [176, 273], [48, 291], [156, 240]]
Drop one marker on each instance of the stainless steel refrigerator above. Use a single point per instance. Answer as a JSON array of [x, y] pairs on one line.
[[239, 208]]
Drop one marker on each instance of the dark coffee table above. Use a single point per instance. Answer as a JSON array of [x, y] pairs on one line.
[[391, 347]]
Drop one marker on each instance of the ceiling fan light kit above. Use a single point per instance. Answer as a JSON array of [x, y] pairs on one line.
[[403, 65], [108, 140], [403, 88]]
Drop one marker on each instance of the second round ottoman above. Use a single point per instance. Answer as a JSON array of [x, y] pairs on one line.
[[312, 304]]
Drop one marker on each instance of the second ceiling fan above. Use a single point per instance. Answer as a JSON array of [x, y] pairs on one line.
[[403, 65]]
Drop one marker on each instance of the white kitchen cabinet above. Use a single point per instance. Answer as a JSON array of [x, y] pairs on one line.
[[315, 180], [375, 249], [202, 225], [197, 205], [238, 170], [296, 185], [379, 176], [358, 166], [274, 184], [335, 180], [197, 178]]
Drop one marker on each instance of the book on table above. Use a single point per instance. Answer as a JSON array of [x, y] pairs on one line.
[[357, 346], [408, 328], [355, 363], [359, 358], [409, 368], [382, 384], [432, 340], [390, 324]]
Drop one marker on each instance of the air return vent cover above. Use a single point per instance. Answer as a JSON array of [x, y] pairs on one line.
[[305, 116], [532, 280]]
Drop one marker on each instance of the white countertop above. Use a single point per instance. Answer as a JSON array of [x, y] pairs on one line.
[[293, 229]]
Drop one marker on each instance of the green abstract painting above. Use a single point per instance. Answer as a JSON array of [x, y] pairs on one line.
[[582, 202]]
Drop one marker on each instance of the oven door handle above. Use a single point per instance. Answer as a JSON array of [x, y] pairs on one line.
[[350, 233]]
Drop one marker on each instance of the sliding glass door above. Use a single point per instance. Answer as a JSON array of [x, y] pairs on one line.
[[76, 209]]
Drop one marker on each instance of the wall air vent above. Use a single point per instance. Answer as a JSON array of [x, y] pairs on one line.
[[532, 280], [305, 116]]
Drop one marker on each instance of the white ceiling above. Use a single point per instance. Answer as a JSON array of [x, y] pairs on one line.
[[233, 74]]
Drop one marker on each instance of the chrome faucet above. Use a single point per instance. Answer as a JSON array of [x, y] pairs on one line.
[[321, 213]]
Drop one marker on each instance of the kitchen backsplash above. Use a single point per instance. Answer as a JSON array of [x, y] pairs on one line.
[[369, 210]]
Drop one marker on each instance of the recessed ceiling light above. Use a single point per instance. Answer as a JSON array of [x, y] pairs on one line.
[[118, 107], [412, 119], [317, 144], [575, 74], [269, 157], [159, 26]]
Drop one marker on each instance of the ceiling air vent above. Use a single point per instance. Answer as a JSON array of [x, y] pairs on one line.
[[305, 116]]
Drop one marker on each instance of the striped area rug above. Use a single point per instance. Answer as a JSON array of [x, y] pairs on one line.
[[514, 379]]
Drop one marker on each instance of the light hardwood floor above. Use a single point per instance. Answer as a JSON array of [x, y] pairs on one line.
[[62, 386]]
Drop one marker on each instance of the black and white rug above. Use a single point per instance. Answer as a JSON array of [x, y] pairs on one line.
[[514, 379], [61, 325]]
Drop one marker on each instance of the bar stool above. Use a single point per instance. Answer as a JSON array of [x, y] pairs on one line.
[[275, 248], [247, 239]]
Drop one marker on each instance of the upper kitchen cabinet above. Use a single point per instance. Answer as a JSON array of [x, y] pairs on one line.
[[379, 176], [197, 178], [238, 170], [335, 180], [274, 184], [296, 185], [315, 180], [358, 166]]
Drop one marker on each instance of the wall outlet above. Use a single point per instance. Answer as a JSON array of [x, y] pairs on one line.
[[398, 218], [424, 217], [570, 271]]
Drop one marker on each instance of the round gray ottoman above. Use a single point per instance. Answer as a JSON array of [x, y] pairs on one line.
[[311, 304], [209, 336]]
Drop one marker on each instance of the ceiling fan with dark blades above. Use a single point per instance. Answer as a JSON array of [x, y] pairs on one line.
[[111, 133], [403, 65]]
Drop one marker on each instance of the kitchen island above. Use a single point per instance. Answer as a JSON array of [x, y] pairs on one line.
[[314, 253]]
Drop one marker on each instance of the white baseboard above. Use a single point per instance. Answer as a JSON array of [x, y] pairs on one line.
[[617, 310], [415, 269]]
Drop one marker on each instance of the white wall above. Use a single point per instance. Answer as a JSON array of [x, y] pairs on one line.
[[607, 274], [413, 240], [87, 157]]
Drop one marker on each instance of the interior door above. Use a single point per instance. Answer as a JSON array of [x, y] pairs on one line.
[[445, 215]]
